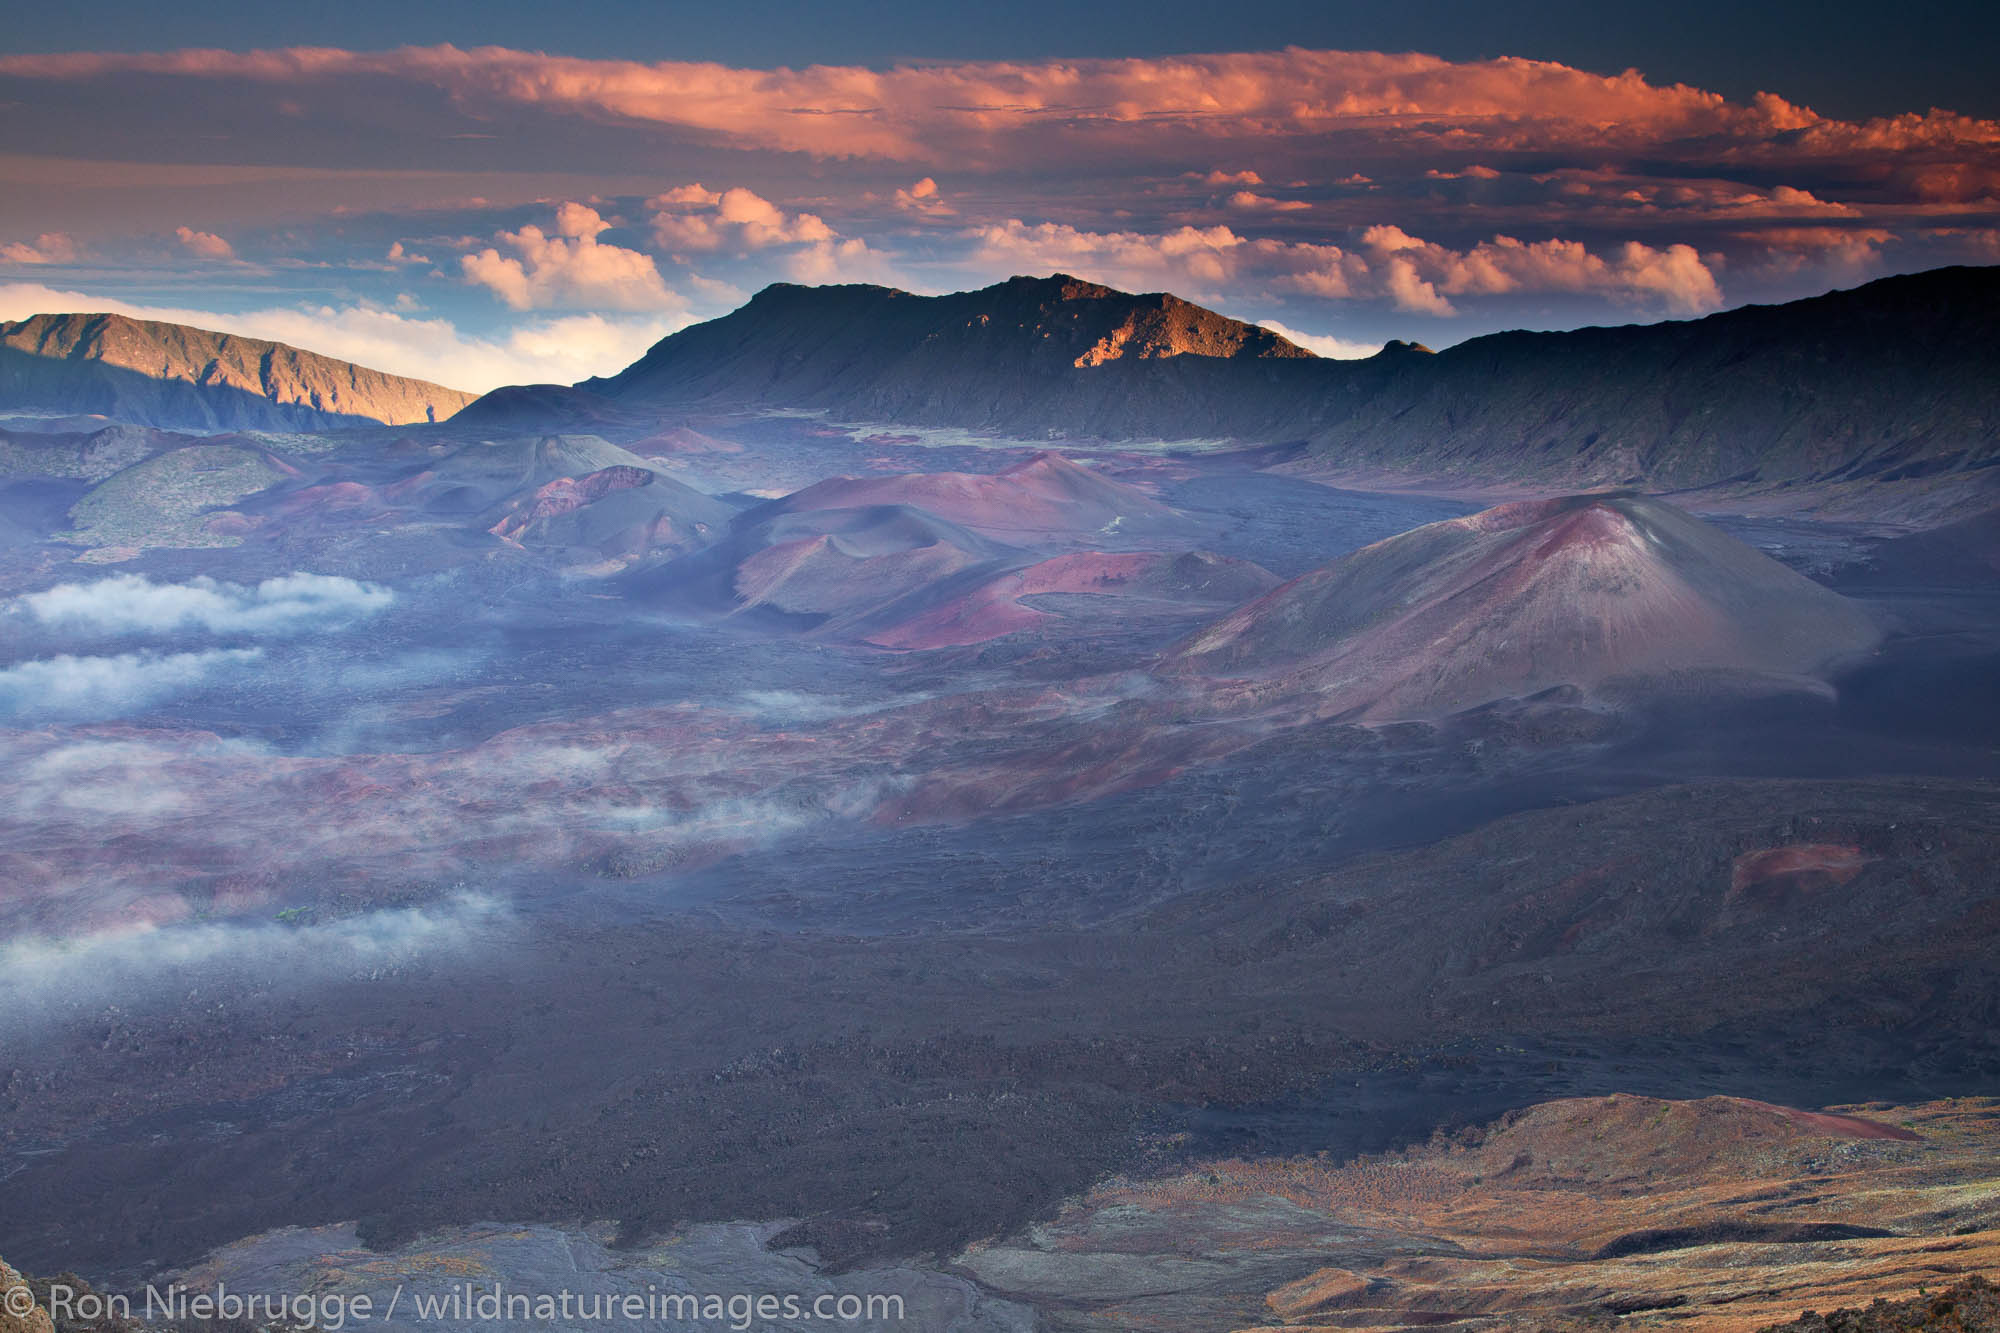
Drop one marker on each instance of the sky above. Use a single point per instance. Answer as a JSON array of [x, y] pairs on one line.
[[511, 192]]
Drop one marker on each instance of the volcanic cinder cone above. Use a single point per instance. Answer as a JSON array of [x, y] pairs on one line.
[[1528, 596]]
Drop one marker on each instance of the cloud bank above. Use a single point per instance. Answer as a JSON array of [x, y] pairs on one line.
[[134, 604], [994, 112]]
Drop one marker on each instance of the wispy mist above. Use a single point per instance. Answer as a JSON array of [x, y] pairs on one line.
[[44, 979], [70, 686]]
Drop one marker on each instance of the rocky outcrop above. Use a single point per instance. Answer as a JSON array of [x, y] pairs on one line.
[[1718, 1215], [18, 1311]]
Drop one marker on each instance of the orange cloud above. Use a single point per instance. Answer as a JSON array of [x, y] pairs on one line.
[[993, 112]]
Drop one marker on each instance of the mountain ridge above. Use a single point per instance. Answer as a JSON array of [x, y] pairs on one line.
[[1885, 389], [180, 377], [1083, 324]]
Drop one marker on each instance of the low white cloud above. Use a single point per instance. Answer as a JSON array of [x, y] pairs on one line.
[[569, 268], [1324, 344], [134, 604], [70, 686]]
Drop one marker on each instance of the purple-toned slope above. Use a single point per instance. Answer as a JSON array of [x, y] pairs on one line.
[[1047, 494], [1526, 596]]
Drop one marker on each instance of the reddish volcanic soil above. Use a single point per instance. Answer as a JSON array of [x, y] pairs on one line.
[[1806, 865], [1836, 1126], [1115, 582], [617, 511], [824, 575]]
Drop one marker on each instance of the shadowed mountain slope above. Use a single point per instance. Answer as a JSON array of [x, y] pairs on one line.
[[175, 377], [1052, 355], [1888, 388]]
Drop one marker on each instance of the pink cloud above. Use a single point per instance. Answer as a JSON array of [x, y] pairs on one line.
[[1250, 202], [1608, 191], [693, 218], [924, 198], [1848, 253], [849, 259], [568, 269], [1422, 276], [205, 244], [51, 247], [1195, 258]]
